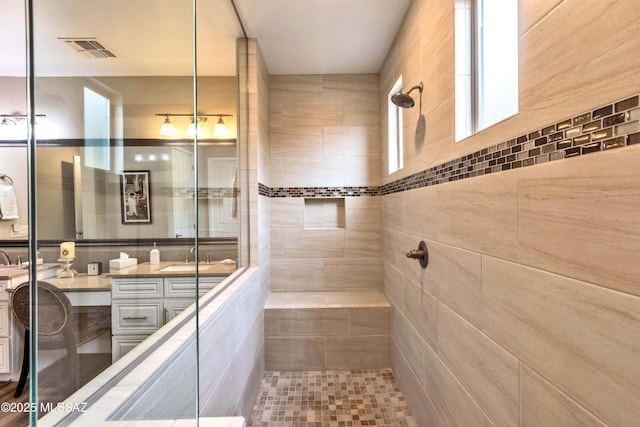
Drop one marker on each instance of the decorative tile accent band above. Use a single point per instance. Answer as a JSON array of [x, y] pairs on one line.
[[310, 192], [605, 128]]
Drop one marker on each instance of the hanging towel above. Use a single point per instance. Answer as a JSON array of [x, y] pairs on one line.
[[8, 202]]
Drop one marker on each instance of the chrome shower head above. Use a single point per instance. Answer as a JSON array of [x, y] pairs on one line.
[[404, 100]]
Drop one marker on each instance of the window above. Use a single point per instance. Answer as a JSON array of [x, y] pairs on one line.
[[395, 129], [486, 63], [96, 129]]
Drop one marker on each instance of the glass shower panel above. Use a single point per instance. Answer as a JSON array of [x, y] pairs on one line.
[[109, 189]]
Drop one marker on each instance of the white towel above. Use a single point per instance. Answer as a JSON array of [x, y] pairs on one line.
[[234, 195], [8, 202]]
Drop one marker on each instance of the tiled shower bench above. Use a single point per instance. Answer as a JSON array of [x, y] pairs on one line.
[[317, 331]]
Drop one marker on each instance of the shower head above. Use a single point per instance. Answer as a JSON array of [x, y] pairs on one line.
[[404, 100]]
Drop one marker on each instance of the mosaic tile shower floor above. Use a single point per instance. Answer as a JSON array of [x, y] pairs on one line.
[[331, 399]]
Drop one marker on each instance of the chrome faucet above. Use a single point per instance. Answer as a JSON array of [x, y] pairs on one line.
[[209, 257], [186, 256], [7, 260]]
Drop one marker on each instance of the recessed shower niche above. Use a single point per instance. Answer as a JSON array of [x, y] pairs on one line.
[[324, 214]]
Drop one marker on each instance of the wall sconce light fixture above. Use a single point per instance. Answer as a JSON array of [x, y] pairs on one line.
[[168, 129], [15, 119]]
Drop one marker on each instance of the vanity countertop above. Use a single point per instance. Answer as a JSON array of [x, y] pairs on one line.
[[10, 272], [82, 282], [145, 269]]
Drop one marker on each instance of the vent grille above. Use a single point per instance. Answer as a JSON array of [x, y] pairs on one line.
[[89, 46]]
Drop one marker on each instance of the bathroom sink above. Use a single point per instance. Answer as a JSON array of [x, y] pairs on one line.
[[184, 268]]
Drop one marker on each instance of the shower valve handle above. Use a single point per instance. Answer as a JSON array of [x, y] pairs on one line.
[[415, 254], [421, 254]]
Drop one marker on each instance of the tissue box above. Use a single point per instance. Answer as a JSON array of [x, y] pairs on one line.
[[119, 264]]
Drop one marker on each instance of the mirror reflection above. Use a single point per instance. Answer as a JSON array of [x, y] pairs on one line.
[[136, 144]]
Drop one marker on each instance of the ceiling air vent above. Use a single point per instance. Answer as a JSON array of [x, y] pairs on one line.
[[89, 46]]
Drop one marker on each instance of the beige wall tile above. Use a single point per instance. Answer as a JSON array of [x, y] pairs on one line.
[[297, 274], [294, 85], [370, 352], [270, 323], [287, 212], [276, 169], [578, 33], [478, 214], [312, 110], [453, 276], [370, 321], [277, 243], [351, 140], [452, 402], [421, 408], [580, 218], [313, 322], [544, 405], [298, 141], [314, 243], [294, 354], [392, 214], [362, 243], [421, 310], [363, 213], [361, 171], [349, 84], [582, 338], [392, 284], [360, 110], [486, 370], [313, 172], [408, 341], [389, 246], [353, 272], [532, 11]]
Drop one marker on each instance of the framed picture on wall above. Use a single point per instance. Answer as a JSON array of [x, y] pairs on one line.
[[136, 197]]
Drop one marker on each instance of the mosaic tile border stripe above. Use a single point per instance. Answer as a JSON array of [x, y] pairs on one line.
[[604, 128], [311, 192]]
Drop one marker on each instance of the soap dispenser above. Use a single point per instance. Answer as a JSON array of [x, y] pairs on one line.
[[154, 255]]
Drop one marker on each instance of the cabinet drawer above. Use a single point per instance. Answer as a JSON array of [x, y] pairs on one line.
[[173, 307], [132, 288], [5, 319], [185, 287], [5, 357], [136, 317], [123, 344], [4, 295]]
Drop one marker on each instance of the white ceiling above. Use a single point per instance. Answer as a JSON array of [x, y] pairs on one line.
[[323, 36], [153, 37]]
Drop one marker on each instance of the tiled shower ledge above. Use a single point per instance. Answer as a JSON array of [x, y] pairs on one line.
[[608, 127], [335, 299]]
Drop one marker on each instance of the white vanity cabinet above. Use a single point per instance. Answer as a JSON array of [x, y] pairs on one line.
[[141, 305], [6, 329]]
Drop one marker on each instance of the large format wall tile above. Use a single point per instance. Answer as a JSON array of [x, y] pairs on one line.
[[545, 405], [453, 403], [370, 321], [314, 243], [581, 218], [421, 309], [294, 354], [366, 352], [313, 172], [582, 338], [486, 370], [453, 276], [345, 273], [478, 214], [313, 322], [287, 212]]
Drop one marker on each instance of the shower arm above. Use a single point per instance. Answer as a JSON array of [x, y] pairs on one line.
[[418, 86]]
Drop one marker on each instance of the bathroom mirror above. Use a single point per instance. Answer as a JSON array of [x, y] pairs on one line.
[[102, 100]]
